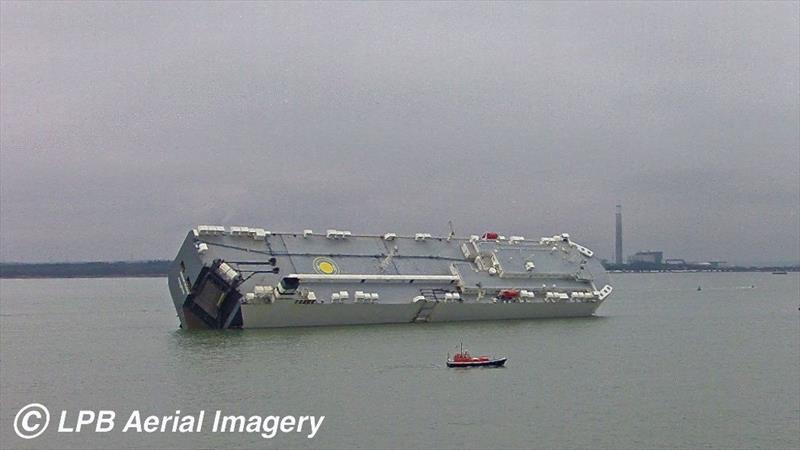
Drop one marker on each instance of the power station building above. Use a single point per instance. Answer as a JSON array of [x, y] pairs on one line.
[[646, 257]]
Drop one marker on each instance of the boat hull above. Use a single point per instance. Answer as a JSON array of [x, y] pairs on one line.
[[455, 312], [257, 279], [278, 315], [491, 363]]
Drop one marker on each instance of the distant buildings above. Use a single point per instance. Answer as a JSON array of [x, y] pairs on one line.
[[618, 242], [646, 257], [654, 261], [649, 259], [675, 261], [717, 263]]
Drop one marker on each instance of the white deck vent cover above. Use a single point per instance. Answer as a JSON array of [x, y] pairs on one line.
[[212, 230], [605, 292]]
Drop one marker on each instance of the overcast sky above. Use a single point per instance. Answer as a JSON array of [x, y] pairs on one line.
[[125, 124]]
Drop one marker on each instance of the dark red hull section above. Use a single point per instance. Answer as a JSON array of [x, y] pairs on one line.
[[490, 363]]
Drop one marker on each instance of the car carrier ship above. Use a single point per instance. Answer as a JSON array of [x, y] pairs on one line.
[[243, 277]]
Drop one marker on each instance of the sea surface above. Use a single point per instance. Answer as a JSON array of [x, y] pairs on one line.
[[662, 365]]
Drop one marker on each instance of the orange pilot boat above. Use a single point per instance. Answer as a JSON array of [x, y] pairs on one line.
[[464, 359]]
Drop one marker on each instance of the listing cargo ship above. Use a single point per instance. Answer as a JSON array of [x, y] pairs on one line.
[[243, 277]]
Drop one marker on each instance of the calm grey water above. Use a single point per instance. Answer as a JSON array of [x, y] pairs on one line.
[[663, 365]]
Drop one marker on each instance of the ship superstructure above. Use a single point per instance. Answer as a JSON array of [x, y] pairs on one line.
[[243, 277]]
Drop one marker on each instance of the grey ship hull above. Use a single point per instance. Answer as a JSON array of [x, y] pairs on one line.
[[291, 315], [251, 278]]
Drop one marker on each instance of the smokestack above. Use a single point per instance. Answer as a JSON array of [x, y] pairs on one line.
[[618, 246]]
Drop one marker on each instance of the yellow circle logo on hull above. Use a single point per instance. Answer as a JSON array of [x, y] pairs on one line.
[[325, 266]]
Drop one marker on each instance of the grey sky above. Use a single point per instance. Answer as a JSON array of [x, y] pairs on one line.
[[125, 124]]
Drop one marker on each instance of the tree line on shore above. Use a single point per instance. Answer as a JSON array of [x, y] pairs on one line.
[[153, 268], [158, 268]]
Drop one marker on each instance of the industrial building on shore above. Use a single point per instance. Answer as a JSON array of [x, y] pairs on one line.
[[653, 259]]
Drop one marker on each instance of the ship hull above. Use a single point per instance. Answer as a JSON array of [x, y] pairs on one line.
[[291, 315], [255, 279], [278, 315]]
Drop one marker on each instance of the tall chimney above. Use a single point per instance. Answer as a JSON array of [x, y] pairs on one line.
[[618, 246]]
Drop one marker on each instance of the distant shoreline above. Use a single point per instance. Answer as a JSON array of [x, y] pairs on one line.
[[96, 269], [44, 277], [732, 270], [689, 268], [158, 269]]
